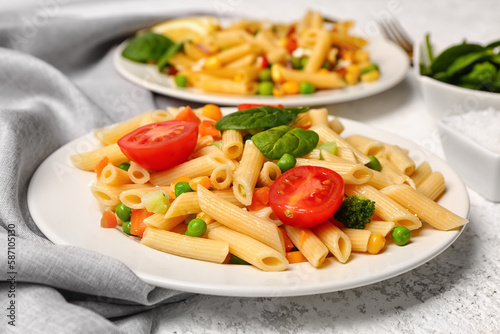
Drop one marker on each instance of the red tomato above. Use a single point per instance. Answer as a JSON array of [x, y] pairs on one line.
[[159, 146], [306, 196], [291, 45], [250, 106], [265, 62]]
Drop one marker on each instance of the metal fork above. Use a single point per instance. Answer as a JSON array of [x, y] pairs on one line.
[[393, 31]]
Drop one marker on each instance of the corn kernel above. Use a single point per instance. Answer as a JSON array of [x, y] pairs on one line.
[[290, 87], [370, 76], [212, 62], [351, 78], [277, 92], [361, 56], [324, 71], [276, 74], [282, 42], [211, 111], [205, 217], [353, 69], [376, 243], [203, 181]]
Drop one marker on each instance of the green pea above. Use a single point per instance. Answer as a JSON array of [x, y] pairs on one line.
[[123, 212], [181, 80], [196, 228], [125, 166], [306, 88], [266, 88], [303, 62], [372, 67], [126, 228], [236, 260], [296, 63], [286, 162], [374, 163], [181, 188], [401, 235], [265, 75]]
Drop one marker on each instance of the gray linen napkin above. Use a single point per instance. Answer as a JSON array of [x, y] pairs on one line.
[[56, 84]]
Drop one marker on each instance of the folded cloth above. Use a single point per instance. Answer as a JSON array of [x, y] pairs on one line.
[[57, 83]]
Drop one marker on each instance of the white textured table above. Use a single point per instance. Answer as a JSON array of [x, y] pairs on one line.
[[457, 292]]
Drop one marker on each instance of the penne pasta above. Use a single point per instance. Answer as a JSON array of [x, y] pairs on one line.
[[335, 240], [312, 248], [247, 174]]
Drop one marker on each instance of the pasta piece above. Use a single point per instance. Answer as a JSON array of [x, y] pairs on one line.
[[351, 173], [268, 214], [318, 116], [245, 61], [132, 197], [157, 116], [303, 120], [366, 145], [356, 42], [232, 144], [269, 173], [138, 174], [246, 175], [227, 38], [88, 160], [346, 154], [335, 240], [252, 251], [274, 53], [380, 180], [312, 247], [110, 135], [114, 176], [202, 166], [109, 195], [380, 227], [159, 221], [336, 125], [400, 159], [433, 186], [185, 246], [234, 53], [319, 51], [394, 173], [240, 220], [421, 173], [314, 154], [431, 212], [214, 84], [385, 207], [193, 51], [187, 203], [359, 239], [330, 80], [222, 177]]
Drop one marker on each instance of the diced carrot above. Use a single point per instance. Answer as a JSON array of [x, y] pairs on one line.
[[291, 45], [262, 194], [227, 260], [137, 224], [188, 115], [288, 243], [207, 128], [295, 257], [181, 228], [256, 204], [108, 219], [100, 166], [303, 237], [211, 111]]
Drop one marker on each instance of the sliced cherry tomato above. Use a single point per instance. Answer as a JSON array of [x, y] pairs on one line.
[[207, 128], [264, 63], [306, 196], [342, 71], [250, 106], [188, 115], [291, 45], [160, 146], [288, 243]]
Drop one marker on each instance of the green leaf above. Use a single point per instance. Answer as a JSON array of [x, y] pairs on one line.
[[172, 49], [146, 47], [463, 63], [493, 45], [448, 56], [482, 74], [275, 142], [260, 117]]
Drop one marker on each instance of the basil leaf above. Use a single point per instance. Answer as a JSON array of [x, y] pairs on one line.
[[260, 117], [275, 142], [173, 49], [146, 47], [448, 56]]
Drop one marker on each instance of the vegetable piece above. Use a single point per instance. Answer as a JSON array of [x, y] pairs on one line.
[[265, 75], [275, 142], [372, 67], [306, 196], [355, 211], [123, 212], [245, 106], [376, 243], [146, 47], [236, 260], [126, 228], [286, 162], [264, 63], [188, 115], [204, 181], [218, 143], [181, 80], [482, 75], [401, 235], [265, 88], [296, 63], [207, 128], [260, 199], [125, 166], [156, 201], [291, 45], [211, 111], [100, 166], [295, 257], [160, 146], [258, 117], [181, 188], [288, 243], [291, 87], [374, 163], [164, 59], [306, 88], [330, 147], [196, 228], [443, 61], [137, 224], [108, 219]]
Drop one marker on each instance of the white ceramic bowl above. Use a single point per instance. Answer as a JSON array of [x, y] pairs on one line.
[[478, 166], [443, 99]]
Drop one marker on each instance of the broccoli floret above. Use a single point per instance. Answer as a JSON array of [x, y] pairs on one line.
[[355, 212]]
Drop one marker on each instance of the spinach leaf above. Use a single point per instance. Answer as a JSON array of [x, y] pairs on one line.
[[462, 63], [448, 56], [260, 117], [172, 49], [275, 142], [146, 47], [482, 74], [493, 45]]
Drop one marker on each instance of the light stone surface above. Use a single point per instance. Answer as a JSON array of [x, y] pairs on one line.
[[458, 291]]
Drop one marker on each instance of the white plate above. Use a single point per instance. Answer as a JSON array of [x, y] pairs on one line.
[[392, 61], [56, 183]]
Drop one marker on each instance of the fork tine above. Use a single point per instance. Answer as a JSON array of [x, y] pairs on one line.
[[403, 36]]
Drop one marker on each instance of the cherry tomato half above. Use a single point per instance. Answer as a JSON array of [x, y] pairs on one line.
[[159, 146], [306, 196]]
